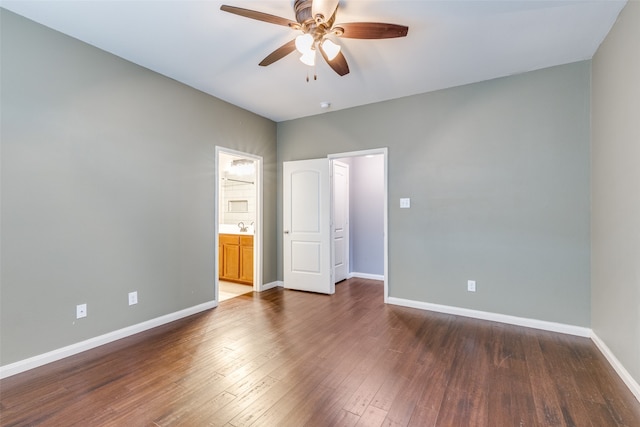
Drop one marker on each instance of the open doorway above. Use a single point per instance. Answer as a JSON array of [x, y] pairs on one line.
[[238, 224], [308, 253], [366, 197]]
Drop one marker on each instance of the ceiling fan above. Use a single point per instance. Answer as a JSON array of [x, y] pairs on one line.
[[316, 20]]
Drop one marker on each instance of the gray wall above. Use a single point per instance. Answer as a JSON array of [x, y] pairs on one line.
[[498, 175], [107, 187], [367, 214], [615, 286]]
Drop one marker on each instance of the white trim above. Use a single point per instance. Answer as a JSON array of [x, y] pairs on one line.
[[366, 276], [359, 153], [495, 317], [70, 350], [617, 366], [272, 285]]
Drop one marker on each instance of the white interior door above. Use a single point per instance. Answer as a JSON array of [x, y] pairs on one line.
[[340, 228], [307, 226]]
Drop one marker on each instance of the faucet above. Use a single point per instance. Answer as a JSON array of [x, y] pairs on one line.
[[243, 228]]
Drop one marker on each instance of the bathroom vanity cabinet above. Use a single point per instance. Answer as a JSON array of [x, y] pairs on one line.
[[235, 252]]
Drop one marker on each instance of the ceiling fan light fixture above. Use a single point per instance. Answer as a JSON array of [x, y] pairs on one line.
[[330, 48], [304, 42], [315, 20], [309, 58]]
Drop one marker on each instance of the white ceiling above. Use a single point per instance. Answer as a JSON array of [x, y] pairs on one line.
[[450, 43]]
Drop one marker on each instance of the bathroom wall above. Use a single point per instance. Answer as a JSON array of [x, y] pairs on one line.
[[238, 199]]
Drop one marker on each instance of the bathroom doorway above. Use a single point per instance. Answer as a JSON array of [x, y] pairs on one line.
[[238, 220]]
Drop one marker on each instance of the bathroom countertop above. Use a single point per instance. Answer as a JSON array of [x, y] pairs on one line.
[[234, 229]]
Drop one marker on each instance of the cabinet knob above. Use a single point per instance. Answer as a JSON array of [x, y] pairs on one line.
[[286, 231]]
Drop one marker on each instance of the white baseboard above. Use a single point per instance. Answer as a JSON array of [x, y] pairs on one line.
[[617, 366], [267, 286], [495, 317], [70, 350], [366, 276]]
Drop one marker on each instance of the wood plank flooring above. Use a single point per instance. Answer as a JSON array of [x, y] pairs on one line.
[[287, 358]]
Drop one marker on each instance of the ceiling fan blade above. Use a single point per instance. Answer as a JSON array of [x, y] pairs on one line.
[[260, 16], [279, 53], [371, 30], [326, 8], [339, 63]]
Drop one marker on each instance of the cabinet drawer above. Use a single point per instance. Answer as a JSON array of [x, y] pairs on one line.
[[246, 240], [229, 239]]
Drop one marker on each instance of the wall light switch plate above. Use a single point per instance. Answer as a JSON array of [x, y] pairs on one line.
[[471, 285], [133, 298], [81, 311], [405, 203]]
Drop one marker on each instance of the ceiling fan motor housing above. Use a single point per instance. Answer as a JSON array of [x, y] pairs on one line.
[[319, 26]]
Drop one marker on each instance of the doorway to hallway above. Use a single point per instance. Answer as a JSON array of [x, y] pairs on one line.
[[367, 208], [309, 256]]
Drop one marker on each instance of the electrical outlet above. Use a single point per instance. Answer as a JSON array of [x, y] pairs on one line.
[[471, 285], [81, 311], [133, 298]]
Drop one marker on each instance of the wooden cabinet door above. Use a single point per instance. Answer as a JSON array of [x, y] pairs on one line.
[[230, 256], [246, 259], [246, 266], [231, 261]]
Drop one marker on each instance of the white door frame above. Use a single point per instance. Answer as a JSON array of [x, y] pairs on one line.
[[258, 233], [384, 152]]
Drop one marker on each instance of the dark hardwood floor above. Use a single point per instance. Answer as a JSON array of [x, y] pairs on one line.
[[287, 358]]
